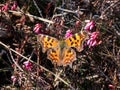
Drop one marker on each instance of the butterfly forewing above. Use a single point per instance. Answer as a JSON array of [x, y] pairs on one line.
[[47, 42], [76, 41]]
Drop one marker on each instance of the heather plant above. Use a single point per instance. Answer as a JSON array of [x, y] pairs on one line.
[[24, 63]]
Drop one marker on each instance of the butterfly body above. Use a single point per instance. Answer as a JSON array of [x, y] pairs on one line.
[[61, 52]]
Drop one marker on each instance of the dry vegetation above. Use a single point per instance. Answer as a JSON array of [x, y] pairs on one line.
[[96, 67]]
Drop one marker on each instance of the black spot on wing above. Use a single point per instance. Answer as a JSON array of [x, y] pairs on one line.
[[66, 55], [75, 42], [72, 43], [52, 40], [78, 40], [74, 37], [50, 44], [70, 39]]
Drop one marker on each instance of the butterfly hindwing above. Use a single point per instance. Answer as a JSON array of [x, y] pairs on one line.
[[61, 57], [54, 55], [69, 55]]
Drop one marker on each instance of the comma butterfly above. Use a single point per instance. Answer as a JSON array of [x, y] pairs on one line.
[[60, 52]]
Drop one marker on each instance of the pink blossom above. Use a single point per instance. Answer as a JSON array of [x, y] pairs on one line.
[[14, 6], [37, 28], [5, 7], [13, 78], [77, 23], [93, 40], [68, 33], [28, 65], [89, 25], [111, 87], [94, 35]]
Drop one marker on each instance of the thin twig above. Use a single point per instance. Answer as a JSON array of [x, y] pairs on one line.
[[39, 18], [14, 60], [37, 8], [66, 10]]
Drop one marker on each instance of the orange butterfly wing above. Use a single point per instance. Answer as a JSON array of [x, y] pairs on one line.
[[54, 55], [76, 40], [47, 42], [61, 57], [68, 56]]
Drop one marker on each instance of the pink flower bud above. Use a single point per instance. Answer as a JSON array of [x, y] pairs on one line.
[[94, 43], [5, 7], [14, 6], [28, 65], [13, 78], [77, 23], [68, 33], [93, 40], [88, 42], [112, 87], [37, 28], [89, 25], [94, 35]]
